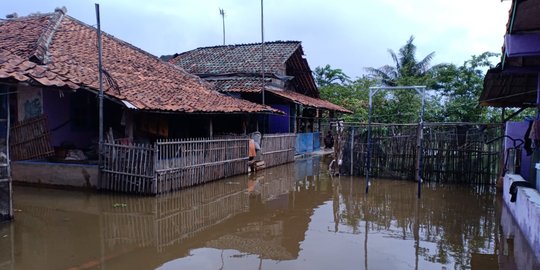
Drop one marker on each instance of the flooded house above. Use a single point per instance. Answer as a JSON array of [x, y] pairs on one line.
[[288, 85], [515, 83], [162, 124]]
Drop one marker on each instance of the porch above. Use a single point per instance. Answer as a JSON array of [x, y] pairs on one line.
[[161, 167]]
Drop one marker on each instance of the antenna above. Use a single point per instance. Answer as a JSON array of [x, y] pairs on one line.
[[222, 13]]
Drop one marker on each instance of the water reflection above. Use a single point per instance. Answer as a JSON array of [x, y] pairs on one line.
[[289, 217], [453, 221]]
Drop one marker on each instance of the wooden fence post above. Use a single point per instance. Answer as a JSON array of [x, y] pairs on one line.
[[155, 177]]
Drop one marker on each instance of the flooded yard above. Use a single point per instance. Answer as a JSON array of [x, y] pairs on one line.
[[288, 217]]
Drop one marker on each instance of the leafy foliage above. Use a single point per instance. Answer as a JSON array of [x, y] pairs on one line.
[[460, 87], [406, 69], [325, 76], [453, 96]]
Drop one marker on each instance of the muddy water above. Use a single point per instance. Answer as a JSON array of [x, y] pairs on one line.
[[290, 217]]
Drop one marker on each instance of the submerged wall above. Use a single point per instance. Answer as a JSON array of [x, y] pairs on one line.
[[55, 174], [526, 211]]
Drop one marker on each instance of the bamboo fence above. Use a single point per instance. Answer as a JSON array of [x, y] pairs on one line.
[[128, 168], [278, 149], [184, 163], [170, 165], [455, 153]]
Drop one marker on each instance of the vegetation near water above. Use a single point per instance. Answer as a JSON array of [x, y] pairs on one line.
[[453, 95]]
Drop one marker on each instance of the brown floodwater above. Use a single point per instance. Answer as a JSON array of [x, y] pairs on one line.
[[288, 217]]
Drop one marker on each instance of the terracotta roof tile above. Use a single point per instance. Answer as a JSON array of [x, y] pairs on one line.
[[238, 85], [236, 58], [308, 101], [253, 85], [281, 58], [234, 68], [133, 75], [20, 36]]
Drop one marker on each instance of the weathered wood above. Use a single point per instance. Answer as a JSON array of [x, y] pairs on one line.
[[126, 168], [450, 152], [30, 139], [278, 149], [184, 163], [178, 163]]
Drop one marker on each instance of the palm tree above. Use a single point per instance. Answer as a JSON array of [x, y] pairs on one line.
[[406, 67]]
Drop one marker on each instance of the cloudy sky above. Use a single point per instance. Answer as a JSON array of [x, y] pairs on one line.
[[347, 34]]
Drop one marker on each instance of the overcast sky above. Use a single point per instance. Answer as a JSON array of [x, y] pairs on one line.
[[347, 34]]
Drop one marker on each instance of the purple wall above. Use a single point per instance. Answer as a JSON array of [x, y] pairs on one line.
[[517, 130], [279, 123], [522, 44], [58, 110]]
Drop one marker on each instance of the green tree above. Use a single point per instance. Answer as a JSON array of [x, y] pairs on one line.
[[460, 88], [453, 95], [352, 95], [325, 76]]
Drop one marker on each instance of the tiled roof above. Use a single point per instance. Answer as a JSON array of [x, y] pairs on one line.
[[237, 58], [235, 68], [58, 50], [280, 58], [238, 84], [253, 85], [308, 101]]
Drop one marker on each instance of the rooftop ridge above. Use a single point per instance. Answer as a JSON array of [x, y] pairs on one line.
[[251, 44], [297, 46], [27, 17], [40, 55]]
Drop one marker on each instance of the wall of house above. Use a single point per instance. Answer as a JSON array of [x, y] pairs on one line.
[[279, 123], [29, 102], [514, 250], [71, 117], [517, 130], [55, 174], [525, 211]]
